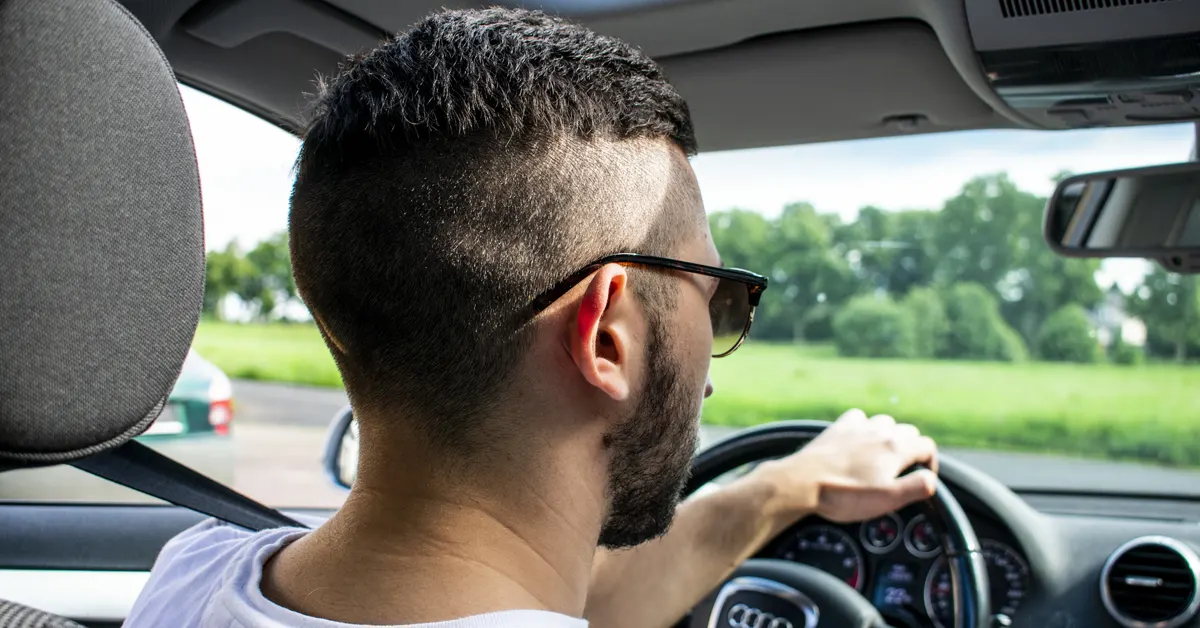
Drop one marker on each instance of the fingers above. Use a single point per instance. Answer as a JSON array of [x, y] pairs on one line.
[[852, 416], [914, 487], [925, 452], [882, 421], [905, 439], [914, 448]]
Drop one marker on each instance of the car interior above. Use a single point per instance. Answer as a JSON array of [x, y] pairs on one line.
[[101, 211]]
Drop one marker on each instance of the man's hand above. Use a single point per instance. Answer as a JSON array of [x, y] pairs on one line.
[[851, 472], [848, 473]]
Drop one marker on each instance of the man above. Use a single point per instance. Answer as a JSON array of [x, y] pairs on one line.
[[523, 395]]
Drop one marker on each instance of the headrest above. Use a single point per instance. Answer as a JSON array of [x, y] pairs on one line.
[[101, 236]]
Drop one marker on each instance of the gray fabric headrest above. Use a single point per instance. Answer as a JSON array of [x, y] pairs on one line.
[[101, 237]]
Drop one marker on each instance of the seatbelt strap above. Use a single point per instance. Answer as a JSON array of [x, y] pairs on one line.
[[145, 470]]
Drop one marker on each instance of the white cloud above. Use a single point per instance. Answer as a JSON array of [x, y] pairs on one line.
[[921, 171]]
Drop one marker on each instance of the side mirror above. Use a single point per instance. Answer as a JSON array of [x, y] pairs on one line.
[[341, 449], [1152, 213]]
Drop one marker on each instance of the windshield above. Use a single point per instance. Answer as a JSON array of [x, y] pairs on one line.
[[908, 277]]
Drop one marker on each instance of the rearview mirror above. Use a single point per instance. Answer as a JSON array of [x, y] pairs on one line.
[[341, 449], [1143, 212]]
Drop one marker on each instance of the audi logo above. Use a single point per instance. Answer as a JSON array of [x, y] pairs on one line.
[[743, 616]]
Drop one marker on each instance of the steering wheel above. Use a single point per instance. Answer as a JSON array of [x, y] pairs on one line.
[[783, 594]]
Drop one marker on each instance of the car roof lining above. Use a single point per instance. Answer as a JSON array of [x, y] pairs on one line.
[[830, 84], [755, 72]]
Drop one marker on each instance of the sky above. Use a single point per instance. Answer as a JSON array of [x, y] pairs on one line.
[[246, 170]]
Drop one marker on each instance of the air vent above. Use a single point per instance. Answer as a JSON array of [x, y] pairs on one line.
[[1028, 8], [1151, 581]]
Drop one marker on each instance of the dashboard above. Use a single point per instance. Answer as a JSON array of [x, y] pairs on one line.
[[896, 562], [1055, 558], [1070, 559]]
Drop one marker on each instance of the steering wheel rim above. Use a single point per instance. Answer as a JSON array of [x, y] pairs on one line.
[[964, 555]]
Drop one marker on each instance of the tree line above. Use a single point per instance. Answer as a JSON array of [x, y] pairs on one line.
[[971, 280], [260, 278]]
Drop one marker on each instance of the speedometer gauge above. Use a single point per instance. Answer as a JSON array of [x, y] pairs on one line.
[[829, 549], [881, 535], [921, 537], [1008, 575]]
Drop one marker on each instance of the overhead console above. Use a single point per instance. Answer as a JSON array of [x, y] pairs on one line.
[[1085, 63]]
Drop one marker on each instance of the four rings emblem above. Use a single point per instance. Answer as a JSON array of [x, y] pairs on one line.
[[743, 616]]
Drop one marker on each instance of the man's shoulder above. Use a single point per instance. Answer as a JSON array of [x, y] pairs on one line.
[[208, 538], [208, 576], [193, 567]]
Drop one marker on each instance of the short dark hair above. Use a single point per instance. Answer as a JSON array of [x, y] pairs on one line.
[[453, 174]]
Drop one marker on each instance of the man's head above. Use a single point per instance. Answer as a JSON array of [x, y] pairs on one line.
[[467, 166]]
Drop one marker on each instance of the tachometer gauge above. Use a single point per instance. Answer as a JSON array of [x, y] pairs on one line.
[[881, 535], [1008, 575], [922, 538], [829, 549]]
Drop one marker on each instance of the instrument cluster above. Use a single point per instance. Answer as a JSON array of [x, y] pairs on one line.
[[896, 562]]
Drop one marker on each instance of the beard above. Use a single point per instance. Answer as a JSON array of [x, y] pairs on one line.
[[652, 452]]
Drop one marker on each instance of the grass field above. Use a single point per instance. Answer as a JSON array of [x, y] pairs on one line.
[[1149, 413], [278, 353]]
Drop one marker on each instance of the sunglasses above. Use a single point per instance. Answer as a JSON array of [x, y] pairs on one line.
[[731, 308]]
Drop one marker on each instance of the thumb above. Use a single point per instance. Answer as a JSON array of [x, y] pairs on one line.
[[914, 487]]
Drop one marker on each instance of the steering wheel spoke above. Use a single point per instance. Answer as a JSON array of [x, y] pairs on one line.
[[769, 593]]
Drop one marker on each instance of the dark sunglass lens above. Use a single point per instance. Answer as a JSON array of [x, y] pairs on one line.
[[729, 310]]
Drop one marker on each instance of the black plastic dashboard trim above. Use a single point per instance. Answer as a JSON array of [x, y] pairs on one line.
[[1065, 552], [92, 537]]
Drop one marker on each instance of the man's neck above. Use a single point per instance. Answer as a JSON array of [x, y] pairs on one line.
[[412, 549]]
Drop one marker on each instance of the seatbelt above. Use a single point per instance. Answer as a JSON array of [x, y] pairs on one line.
[[145, 470]]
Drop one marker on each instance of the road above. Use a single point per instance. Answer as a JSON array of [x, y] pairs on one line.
[[274, 455], [308, 406]]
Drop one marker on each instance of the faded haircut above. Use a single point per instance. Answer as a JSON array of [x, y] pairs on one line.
[[456, 172]]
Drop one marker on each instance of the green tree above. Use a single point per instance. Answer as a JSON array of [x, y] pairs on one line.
[[745, 240], [914, 253], [1125, 354], [979, 231], [810, 278], [991, 234], [930, 325], [1169, 305], [891, 251], [977, 331], [225, 272], [1046, 284], [261, 277], [873, 327], [1068, 336], [271, 281], [1012, 347]]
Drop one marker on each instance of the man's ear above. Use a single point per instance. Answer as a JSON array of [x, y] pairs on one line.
[[603, 334]]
